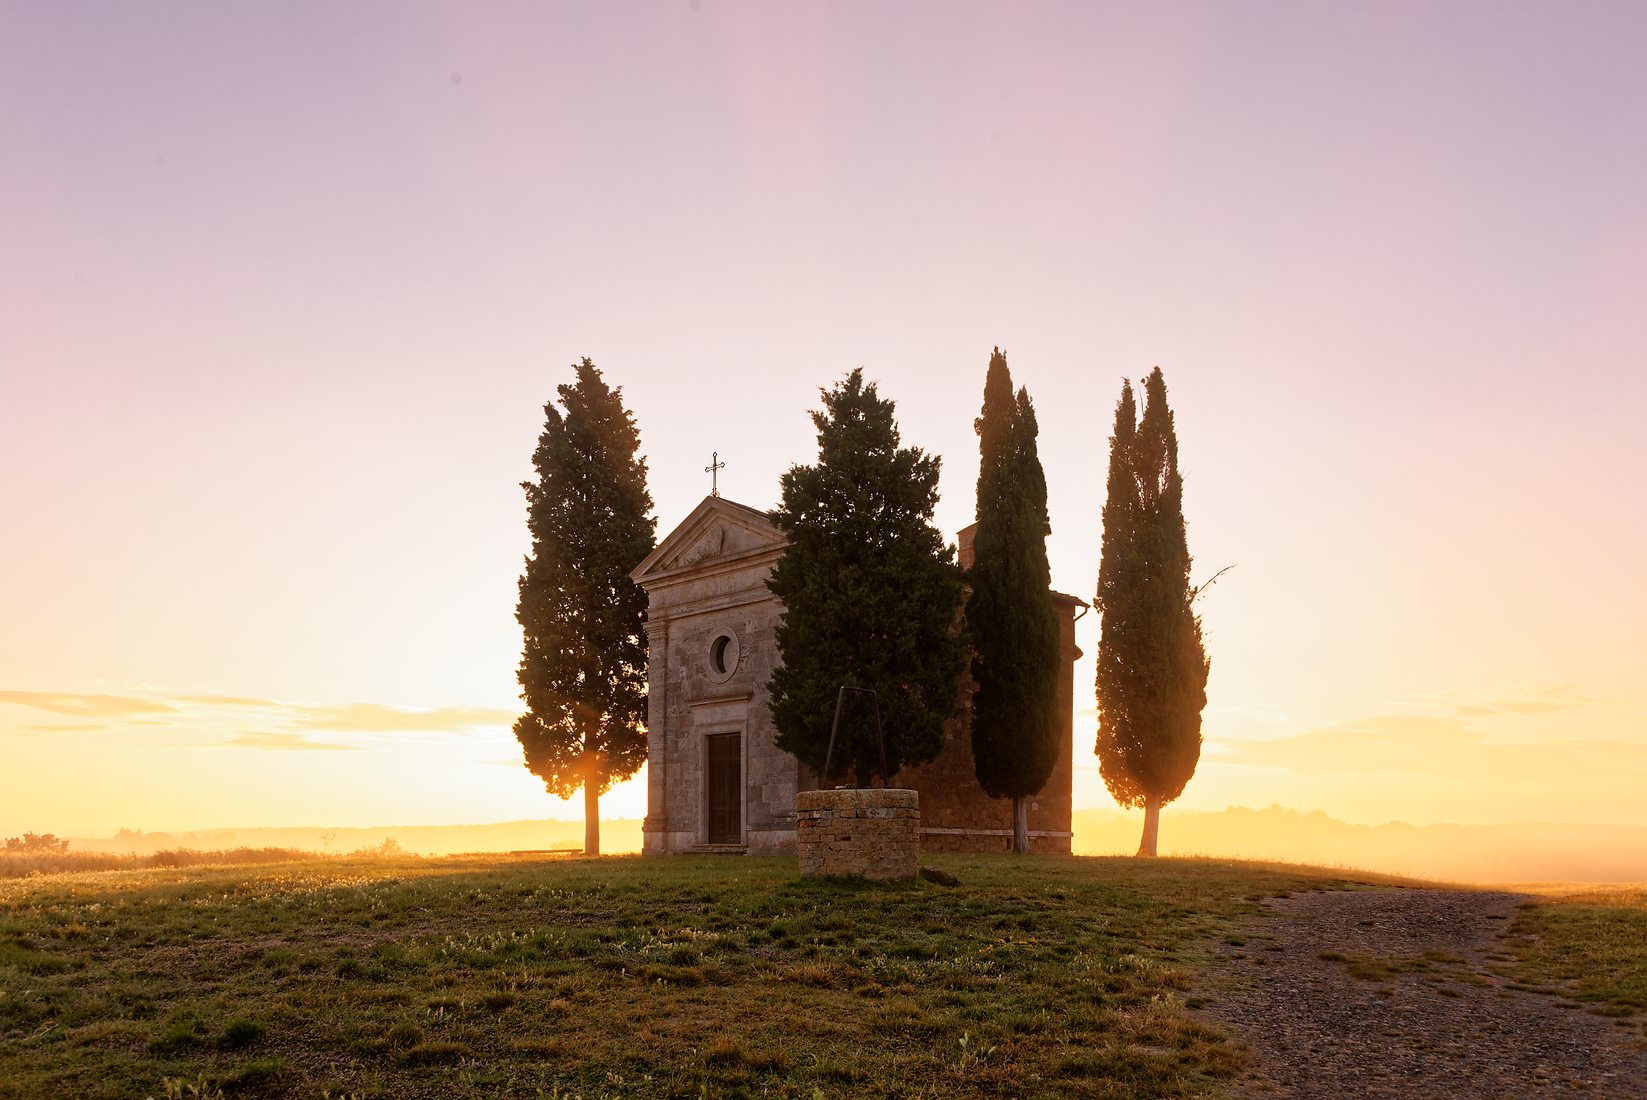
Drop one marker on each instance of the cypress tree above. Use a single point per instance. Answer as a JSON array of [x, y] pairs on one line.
[[1010, 615], [583, 665], [871, 595], [1152, 667]]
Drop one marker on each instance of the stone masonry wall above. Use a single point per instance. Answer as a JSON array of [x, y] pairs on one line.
[[956, 815], [706, 581], [873, 834]]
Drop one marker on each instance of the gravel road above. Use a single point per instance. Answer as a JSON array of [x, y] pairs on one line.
[[1387, 993]]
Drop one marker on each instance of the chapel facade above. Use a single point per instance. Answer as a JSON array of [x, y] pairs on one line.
[[716, 779]]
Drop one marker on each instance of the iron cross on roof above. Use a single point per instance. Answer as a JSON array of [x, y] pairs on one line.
[[714, 471]]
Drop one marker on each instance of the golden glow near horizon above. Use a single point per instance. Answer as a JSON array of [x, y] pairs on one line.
[[284, 301]]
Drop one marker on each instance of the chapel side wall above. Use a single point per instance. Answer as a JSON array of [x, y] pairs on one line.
[[1055, 813], [957, 816]]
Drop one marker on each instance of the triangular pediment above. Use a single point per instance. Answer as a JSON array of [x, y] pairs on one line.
[[718, 531]]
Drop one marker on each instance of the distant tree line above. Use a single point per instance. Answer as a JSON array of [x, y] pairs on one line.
[[36, 843]]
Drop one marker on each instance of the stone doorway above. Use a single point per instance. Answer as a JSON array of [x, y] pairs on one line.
[[725, 774]]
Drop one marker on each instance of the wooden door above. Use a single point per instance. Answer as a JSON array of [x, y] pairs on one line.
[[726, 788]]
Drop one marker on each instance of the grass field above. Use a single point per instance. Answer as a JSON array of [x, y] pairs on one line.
[[24, 864], [1587, 945], [685, 977]]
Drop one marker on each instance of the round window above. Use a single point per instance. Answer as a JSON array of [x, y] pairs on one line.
[[723, 656]]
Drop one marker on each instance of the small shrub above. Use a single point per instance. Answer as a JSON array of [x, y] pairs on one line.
[[725, 1051], [811, 974], [435, 1053], [498, 1000], [404, 1034], [179, 1032], [673, 975], [201, 1088], [260, 1074], [240, 1033]]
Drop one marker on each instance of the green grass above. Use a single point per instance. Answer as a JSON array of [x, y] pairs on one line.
[[1590, 946], [1374, 969], [1044, 976]]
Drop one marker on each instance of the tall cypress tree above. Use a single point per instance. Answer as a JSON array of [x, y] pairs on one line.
[[1152, 667], [871, 594], [1009, 614], [583, 665]]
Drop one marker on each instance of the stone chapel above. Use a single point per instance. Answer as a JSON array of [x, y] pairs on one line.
[[716, 781]]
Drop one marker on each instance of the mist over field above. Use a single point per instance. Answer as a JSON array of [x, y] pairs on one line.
[[618, 836], [1523, 852]]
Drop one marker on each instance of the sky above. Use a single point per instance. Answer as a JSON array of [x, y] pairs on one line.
[[285, 287]]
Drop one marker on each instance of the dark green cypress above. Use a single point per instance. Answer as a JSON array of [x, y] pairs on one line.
[[1010, 615], [871, 595], [583, 664], [1152, 666]]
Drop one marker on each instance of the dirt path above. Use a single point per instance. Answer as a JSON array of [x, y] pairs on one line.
[[1386, 993]]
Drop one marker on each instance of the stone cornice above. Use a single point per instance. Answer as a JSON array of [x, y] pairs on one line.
[[657, 616], [719, 700], [715, 567]]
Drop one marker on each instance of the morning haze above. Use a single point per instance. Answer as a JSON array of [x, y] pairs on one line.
[[288, 288], [1097, 547]]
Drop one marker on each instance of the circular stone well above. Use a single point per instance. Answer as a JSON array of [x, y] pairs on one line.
[[866, 832]]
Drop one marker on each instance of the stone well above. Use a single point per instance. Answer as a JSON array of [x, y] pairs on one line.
[[870, 833]]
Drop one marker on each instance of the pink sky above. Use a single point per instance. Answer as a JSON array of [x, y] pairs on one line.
[[284, 288]]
